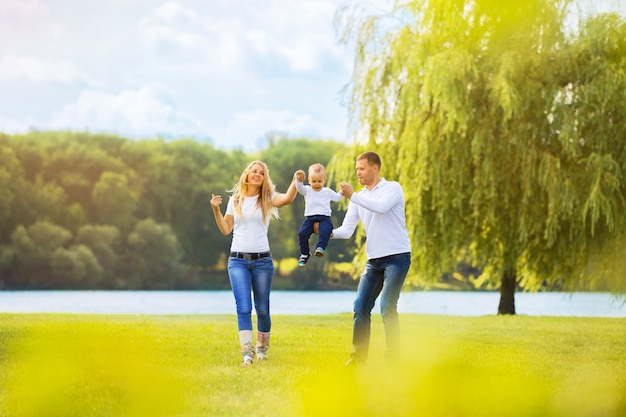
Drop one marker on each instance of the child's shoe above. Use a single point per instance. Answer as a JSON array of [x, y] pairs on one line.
[[303, 260], [320, 252]]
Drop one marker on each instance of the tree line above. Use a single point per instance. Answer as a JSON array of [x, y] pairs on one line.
[[98, 211]]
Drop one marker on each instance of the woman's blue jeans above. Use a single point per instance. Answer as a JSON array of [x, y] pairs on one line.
[[252, 277], [385, 277]]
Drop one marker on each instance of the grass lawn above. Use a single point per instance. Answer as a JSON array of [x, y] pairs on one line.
[[110, 365]]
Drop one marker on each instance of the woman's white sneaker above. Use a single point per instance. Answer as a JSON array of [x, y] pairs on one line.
[[247, 361]]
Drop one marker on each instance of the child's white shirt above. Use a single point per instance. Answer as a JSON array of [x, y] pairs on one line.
[[317, 202]]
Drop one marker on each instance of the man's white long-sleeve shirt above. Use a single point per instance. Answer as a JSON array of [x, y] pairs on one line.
[[381, 211]]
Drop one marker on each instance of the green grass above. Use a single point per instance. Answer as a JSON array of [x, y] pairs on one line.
[[95, 365]]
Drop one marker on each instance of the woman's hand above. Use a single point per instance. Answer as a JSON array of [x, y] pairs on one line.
[[216, 200], [224, 223]]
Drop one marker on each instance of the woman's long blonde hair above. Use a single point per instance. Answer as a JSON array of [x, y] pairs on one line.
[[264, 202]]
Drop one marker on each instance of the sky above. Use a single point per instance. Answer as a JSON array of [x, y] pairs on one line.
[[230, 72]]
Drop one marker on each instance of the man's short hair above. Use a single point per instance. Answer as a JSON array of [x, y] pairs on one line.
[[372, 158]]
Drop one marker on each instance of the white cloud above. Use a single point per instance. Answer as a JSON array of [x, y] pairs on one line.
[[23, 125], [22, 8], [290, 36], [298, 33], [171, 23], [173, 11], [231, 70], [146, 112], [252, 127], [40, 71]]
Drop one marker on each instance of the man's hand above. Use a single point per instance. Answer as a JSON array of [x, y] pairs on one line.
[[346, 190]]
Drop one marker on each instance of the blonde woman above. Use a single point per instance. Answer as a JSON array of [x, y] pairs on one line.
[[252, 203]]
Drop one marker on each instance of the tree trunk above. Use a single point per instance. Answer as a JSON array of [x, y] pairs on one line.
[[507, 292]]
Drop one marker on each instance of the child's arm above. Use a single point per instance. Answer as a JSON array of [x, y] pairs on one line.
[[300, 177], [334, 195]]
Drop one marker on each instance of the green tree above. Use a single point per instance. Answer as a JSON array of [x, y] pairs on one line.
[[32, 197], [177, 179], [114, 200], [155, 256], [12, 182], [9, 169], [76, 267], [503, 122], [30, 152], [32, 248], [104, 243], [47, 201], [76, 162], [7, 277]]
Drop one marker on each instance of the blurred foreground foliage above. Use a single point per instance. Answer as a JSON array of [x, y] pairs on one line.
[[125, 366]]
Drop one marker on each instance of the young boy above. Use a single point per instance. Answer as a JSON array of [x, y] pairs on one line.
[[317, 209]]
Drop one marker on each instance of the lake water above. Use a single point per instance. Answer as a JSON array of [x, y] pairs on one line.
[[306, 302]]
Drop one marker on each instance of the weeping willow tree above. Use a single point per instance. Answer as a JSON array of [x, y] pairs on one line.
[[504, 122]]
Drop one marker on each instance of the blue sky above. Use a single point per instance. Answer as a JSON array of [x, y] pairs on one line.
[[227, 71]]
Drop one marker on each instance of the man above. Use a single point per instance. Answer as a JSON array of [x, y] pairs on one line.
[[380, 208]]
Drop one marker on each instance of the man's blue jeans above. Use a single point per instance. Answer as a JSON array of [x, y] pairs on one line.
[[252, 277], [385, 277]]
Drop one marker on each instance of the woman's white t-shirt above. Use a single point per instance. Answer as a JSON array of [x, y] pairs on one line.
[[249, 232]]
